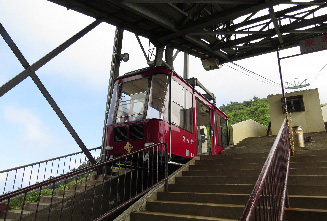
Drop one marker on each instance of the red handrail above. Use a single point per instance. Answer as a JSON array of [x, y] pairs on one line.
[[268, 198]]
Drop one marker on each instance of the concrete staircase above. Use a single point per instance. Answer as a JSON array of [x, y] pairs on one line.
[[214, 188], [218, 187], [74, 199], [55, 201], [307, 185]]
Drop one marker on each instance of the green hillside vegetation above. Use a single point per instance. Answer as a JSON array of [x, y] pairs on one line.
[[255, 109]]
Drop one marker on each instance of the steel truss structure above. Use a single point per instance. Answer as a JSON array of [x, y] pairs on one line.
[[30, 72], [218, 30], [225, 30]]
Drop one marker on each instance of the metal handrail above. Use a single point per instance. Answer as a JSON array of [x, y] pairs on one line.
[[268, 198], [22, 176], [45, 161], [133, 181]]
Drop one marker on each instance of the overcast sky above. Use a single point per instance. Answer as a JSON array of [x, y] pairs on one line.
[[78, 79]]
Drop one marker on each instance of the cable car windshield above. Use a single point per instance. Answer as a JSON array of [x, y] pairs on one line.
[[139, 99]]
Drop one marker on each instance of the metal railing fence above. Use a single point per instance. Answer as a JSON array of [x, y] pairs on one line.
[[269, 196], [85, 195], [23, 176]]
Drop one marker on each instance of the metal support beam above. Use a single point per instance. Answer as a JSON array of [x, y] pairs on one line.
[[281, 81], [45, 93], [142, 48], [159, 56], [186, 65], [114, 73], [175, 55], [169, 56], [117, 51], [34, 67], [216, 19], [274, 20]]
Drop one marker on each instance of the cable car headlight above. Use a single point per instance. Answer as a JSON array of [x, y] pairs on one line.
[[109, 148]]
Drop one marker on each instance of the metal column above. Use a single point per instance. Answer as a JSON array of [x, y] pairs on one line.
[[281, 81], [114, 73], [186, 65]]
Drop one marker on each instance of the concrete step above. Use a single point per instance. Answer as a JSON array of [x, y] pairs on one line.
[[212, 188], [306, 190], [223, 172], [246, 151], [307, 152], [59, 193], [31, 206], [15, 214], [215, 180], [308, 171], [229, 161], [217, 198], [100, 177], [231, 155], [90, 182], [308, 202], [311, 164], [308, 158], [228, 211], [50, 199], [298, 214], [309, 180], [231, 166], [82, 186], [145, 215]]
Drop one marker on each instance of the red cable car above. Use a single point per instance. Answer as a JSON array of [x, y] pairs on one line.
[[156, 105]]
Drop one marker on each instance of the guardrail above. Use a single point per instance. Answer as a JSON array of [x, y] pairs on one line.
[[83, 194], [23, 176], [269, 196]]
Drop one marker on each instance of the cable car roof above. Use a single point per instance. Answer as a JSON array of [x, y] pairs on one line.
[[225, 30]]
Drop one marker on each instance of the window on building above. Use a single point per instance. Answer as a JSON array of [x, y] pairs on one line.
[[294, 104]]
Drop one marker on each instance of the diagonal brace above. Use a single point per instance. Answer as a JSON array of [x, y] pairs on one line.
[[34, 67], [30, 72]]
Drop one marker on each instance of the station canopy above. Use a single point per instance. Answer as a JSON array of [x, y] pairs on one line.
[[223, 30]]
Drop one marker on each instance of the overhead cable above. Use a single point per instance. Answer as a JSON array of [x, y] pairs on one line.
[[252, 74]]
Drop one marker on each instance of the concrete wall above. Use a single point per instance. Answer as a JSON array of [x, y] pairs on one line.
[[244, 129], [324, 112], [311, 119]]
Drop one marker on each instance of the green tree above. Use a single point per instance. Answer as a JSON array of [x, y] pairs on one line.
[[256, 109]]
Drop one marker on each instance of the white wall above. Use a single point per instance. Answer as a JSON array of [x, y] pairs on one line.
[[324, 112], [245, 129]]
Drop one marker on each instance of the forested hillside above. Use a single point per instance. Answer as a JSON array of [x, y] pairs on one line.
[[255, 109]]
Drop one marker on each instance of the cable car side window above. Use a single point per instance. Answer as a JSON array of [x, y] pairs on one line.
[[159, 97], [181, 107], [224, 132], [132, 99], [218, 129]]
